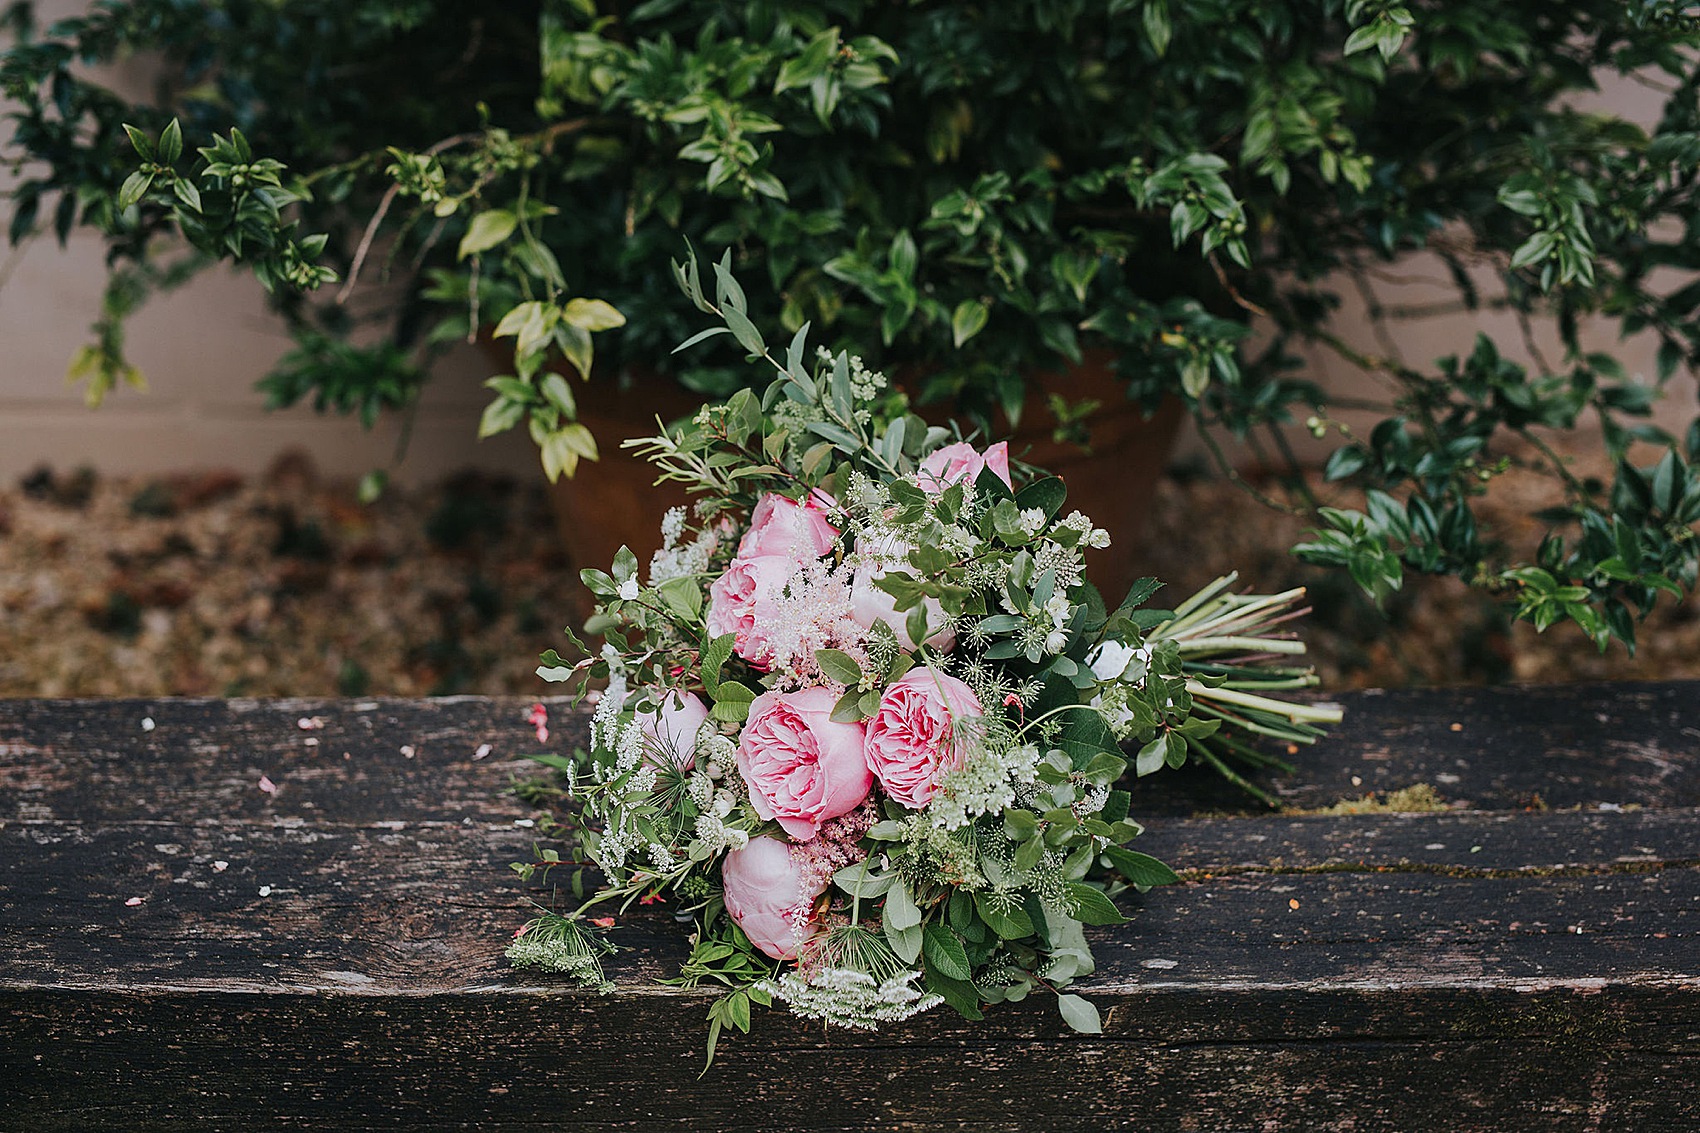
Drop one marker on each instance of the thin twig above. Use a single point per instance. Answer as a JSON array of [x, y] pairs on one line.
[[366, 239], [1227, 469]]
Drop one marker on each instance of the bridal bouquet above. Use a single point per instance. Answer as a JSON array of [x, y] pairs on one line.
[[865, 719]]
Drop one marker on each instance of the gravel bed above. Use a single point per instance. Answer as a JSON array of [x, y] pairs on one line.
[[284, 585]]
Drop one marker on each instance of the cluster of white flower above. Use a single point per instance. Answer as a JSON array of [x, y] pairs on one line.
[[679, 557], [988, 781], [660, 857], [1094, 537], [605, 719], [1111, 663], [814, 610], [553, 950], [715, 835], [852, 999]]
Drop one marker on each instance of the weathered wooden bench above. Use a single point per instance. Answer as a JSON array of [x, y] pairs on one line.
[[182, 947]]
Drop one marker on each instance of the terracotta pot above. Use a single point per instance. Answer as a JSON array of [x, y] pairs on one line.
[[612, 502]]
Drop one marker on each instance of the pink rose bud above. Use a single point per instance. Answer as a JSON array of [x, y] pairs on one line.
[[767, 897], [802, 768], [960, 462], [782, 526], [671, 729], [914, 737], [739, 602]]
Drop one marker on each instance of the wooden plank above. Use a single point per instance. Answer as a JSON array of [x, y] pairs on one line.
[[1580, 745], [1465, 970], [429, 907]]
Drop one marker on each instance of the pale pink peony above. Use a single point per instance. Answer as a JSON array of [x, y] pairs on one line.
[[782, 526], [740, 601], [671, 729], [802, 768], [913, 738], [960, 462], [870, 604], [770, 898]]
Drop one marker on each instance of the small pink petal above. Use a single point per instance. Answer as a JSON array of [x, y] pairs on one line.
[[602, 922], [542, 733], [267, 785], [220, 866], [308, 723], [483, 750], [134, 901]]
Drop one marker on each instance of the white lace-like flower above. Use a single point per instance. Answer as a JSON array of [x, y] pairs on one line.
[[852, 999]]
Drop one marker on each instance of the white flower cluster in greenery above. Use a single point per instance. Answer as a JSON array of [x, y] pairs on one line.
[[605, 719], [988, 781], [715, 835], [557, 944], [1110, 663], [850, 998], [812, 612], [679, 557]]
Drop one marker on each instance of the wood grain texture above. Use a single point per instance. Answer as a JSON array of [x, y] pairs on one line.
[[1487, 968]]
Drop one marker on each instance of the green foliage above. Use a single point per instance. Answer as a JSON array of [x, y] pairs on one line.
[[977, 194]]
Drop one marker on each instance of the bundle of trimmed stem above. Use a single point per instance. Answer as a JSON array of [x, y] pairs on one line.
[[1228, 643]]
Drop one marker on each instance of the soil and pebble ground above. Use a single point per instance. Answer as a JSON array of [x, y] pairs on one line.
[[207, 584]]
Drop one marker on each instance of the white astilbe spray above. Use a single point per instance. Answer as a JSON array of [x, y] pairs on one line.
[[814, 611], [681, 557], [604, 721]]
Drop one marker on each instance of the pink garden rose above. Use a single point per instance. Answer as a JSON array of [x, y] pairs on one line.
[[960, 462], [740, 599], [802, 768], [769, 897], [913, 738], [782, 526], [671, 729]]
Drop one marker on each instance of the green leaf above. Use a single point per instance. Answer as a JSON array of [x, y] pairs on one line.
[[141, 142], [592, 315], [134, 188], [486, 231], [944, 953], [171, 143], [906, 942], [1155, 16], [900, 908], [1141, 869], [838, 666], [968, 320], [499, 416], [1080, 1014], [858, 881], [184, 190], [962, 996], [744, 331], [683, 596], [1091, 906], [715, 654]]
